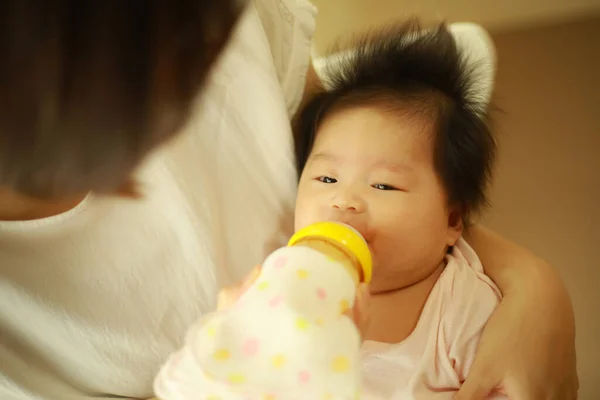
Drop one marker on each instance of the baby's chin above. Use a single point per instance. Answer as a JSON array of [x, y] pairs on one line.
[[379, 287], [386, 283]]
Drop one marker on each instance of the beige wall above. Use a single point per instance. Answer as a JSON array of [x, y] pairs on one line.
[[546, 194], [337, 16]]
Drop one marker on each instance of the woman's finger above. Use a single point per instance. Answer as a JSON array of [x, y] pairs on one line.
[[474, 389], [229, 295], [363, 316], [359, 312], [480, 382]]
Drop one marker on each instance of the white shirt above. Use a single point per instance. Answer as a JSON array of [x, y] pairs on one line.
[[94, 300]]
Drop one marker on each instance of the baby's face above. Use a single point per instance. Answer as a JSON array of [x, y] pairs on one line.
[[375, 172]]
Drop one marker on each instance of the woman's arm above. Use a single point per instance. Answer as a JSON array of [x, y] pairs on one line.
[[528, 345], [514, 268]]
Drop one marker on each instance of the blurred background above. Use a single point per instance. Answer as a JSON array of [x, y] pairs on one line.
[[546, 193]]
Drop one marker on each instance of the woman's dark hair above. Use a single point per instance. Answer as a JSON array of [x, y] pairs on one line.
[[88, 87], [407, 71]]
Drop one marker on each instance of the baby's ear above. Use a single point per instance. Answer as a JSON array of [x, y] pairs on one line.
[[455, 226]]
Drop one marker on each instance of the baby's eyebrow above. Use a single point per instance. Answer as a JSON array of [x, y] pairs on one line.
[[397, 167], [394, 166], [324, 156]]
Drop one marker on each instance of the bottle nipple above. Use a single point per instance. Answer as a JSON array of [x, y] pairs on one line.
[[345, 238]]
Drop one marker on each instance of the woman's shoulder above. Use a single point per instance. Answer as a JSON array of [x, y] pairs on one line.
[[282, 17], [289, 26]]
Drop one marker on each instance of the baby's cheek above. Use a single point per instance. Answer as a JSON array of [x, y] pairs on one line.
[[393, 229], [300, 213], [302, 217], [387, 258], [394, 245]]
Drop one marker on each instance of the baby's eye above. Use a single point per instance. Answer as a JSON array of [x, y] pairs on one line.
[[326, 179], [381, 186]]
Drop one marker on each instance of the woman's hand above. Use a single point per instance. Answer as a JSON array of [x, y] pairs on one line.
[[359, 313], [528, 345], [228, 296]]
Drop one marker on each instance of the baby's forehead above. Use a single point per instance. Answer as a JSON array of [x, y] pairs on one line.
[[372, 137], [420, 100], [375, 125]]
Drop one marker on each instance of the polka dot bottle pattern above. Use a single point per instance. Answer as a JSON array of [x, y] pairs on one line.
[[287, 338]]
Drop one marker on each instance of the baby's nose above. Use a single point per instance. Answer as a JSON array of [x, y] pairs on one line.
[[348, 202], [346, 206]]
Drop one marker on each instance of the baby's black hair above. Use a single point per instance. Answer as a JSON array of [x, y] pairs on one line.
[[406, 69]]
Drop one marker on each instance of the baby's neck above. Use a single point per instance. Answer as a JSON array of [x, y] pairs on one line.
[[395, 314]]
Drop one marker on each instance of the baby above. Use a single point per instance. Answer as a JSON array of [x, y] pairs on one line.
[[399, 147]]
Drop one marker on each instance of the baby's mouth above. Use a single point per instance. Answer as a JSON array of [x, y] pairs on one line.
[[361, 229]]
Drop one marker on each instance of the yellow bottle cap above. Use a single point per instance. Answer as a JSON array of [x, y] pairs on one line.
[[344, 236]]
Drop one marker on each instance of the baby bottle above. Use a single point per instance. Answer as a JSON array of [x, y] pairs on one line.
[[288, 336]]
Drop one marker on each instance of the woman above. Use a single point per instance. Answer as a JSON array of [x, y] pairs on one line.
[[109, 250]]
